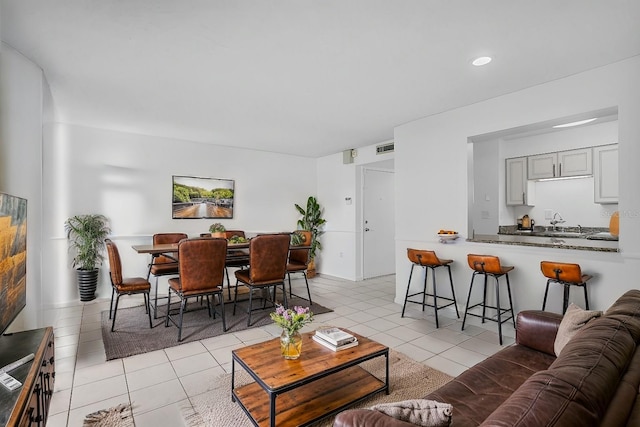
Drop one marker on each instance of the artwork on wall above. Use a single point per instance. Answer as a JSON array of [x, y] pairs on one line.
[[13, 258], [196, 197]]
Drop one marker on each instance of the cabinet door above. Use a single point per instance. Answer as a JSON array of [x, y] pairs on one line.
[[542, 166], [574, 162], [519, 192], [605, 173]]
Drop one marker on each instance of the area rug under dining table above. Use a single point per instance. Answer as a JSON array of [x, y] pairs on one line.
[[133, 336]]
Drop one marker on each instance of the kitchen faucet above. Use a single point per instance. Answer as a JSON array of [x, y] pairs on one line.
[[555, 221]]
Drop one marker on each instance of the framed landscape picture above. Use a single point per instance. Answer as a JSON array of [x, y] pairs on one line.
[[197, 197], [13, 258]]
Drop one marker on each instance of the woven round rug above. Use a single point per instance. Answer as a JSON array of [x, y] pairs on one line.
[[408, 379]]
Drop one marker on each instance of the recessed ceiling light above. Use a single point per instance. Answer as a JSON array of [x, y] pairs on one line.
[[578, 123], [483, 60]]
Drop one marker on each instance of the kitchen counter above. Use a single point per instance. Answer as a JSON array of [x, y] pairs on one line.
[[579, 243]]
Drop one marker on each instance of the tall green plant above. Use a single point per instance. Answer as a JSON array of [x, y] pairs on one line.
[[312, 220], [86, 235]]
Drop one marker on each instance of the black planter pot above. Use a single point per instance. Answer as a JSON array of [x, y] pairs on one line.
[[87, 284]]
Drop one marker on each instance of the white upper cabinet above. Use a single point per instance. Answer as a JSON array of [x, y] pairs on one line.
[[561, 164], [605, 173], [520, 191], [575, 162], [542, 166]]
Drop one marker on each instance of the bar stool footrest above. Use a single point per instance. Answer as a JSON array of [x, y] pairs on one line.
[[503, 311], [428, 304]]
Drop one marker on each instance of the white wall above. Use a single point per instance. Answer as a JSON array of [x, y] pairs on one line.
[[420, 146], [127, 177], [21, 106]]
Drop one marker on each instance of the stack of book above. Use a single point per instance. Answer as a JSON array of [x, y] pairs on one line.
[[335, 339]]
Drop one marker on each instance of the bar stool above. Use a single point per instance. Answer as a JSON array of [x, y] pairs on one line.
[[429, 260], [488, 265], [567, 275]]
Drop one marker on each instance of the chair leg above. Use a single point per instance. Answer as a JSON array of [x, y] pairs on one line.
[[221, 300], [513, 316], [183, 303], [209, 307], [406, 296], [424, 288], [546, 292], [586, 297], [309, 291], [290, 291], [250, 304], [464, 318], [498, 308], [166, 318], [226, 273], [435, 293], [453, 292], [147, 304], [284, 295], [155, 301], [115, 311], [235, 298], [484, 298], [565, 297], [113, 291]]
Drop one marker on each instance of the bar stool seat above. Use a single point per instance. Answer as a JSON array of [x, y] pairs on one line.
[[429, 260], [567, 275], [489, 265]]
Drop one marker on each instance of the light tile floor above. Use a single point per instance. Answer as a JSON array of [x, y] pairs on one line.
[[160, 382]]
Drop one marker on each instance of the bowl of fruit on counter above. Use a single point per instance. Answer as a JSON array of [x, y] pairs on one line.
[[447, 235]]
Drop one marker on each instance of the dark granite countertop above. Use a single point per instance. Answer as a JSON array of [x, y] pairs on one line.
[[522, 239]]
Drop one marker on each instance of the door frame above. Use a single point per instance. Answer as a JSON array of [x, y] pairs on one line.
[[361, 214]]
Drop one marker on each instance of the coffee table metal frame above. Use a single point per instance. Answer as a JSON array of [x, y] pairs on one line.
[[332, 362]]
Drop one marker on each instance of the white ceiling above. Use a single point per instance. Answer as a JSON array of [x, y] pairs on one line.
[[303, 77]]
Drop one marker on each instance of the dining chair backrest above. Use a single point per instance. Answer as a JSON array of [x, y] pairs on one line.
[[164, 238], [268, 257], [115, 265], [201, 263], [301, 256]]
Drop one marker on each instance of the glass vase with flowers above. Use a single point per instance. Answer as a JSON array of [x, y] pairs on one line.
[[291, 321]]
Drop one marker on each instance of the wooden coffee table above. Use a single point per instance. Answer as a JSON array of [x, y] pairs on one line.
[[299, 392]]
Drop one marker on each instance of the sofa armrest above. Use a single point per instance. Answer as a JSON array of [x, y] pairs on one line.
[[367, 418], [537, 329]]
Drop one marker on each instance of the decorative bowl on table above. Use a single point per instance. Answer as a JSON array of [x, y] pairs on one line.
[[447, 235]]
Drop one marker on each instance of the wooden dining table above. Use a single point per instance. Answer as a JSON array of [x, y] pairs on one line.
[[172, 248]]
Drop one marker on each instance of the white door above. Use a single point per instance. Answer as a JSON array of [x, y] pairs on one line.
[[379, 223]]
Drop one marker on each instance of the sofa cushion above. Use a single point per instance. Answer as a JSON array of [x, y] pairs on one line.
[[574, 319], [478, 391], [422, 412]]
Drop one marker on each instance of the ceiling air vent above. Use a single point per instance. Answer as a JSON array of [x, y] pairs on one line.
[[384, 148]]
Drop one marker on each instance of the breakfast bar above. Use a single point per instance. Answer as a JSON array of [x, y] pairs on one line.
[[560, 242]]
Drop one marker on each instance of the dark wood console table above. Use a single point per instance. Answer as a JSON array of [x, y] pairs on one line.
[[29, 404]]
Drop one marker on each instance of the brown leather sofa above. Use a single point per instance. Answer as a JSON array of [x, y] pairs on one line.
[[594, 381]]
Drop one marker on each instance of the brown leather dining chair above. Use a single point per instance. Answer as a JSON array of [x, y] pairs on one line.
[[201, 272], [299, 261], [267, 268], [124, 286], [163, 265]]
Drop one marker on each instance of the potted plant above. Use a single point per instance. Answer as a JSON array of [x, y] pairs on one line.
[[86, 235], [312, 221], [217, 230]]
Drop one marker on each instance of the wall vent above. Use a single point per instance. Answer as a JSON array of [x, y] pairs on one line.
[[384, 148]]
